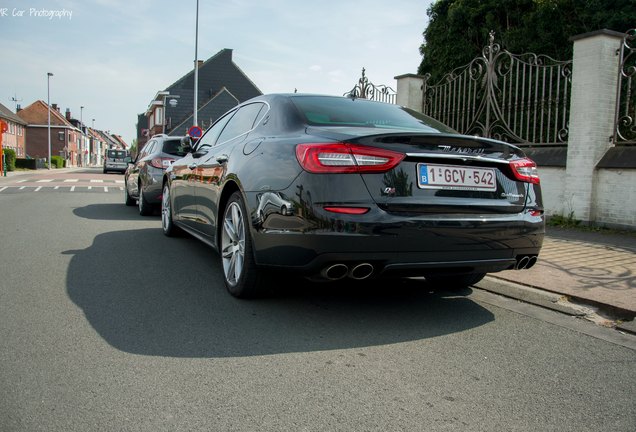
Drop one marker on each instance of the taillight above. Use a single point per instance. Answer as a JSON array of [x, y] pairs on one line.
[[346, 158], [347, 210], [525, 170], [161, 163]]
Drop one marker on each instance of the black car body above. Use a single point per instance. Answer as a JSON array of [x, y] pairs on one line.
[[375, 190], [144, 176]]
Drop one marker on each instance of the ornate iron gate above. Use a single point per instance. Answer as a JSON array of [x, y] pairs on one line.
[[515, 98], [366, 90], [625, 131]]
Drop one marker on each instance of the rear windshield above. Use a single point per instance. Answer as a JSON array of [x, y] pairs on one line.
[[117, 154], [173, 147], [336, 111]]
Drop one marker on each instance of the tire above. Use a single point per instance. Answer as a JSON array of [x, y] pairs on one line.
[[455, 281], [130, 201], [145, 209], [167, 224], [243, 279]]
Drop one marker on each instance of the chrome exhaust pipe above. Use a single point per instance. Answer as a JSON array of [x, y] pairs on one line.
[[522, 262], [335, 272], [531, 261], [361, 271]]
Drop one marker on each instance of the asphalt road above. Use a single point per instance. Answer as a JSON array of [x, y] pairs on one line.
[[107, 325]]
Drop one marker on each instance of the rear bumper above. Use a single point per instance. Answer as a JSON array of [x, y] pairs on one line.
[[396, 245]]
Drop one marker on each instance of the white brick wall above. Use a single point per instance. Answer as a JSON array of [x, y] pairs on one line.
[[615, 198], [553, 191], [594, 81]]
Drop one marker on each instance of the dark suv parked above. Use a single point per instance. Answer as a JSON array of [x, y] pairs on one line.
[[144, 175]]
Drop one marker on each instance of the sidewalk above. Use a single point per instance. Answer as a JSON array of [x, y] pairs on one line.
[[597, 268]]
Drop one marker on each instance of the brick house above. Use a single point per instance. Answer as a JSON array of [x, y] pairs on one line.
[[65, 138], [15, 137], [221, 86]]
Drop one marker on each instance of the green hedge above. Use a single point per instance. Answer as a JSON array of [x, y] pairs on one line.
[[9, 159], [57, 161]]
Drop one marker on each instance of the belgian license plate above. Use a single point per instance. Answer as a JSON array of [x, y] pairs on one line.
[[455, 177]]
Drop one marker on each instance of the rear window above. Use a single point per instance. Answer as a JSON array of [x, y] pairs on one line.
[[173, 147], [336, 111], [117, 154]]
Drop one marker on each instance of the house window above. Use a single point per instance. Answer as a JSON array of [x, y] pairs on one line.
[[60, 135], [159, 116]]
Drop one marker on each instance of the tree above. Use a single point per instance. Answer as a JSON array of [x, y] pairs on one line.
[[458, 29]]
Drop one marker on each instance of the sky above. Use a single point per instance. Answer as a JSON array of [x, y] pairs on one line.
[[112, 56]]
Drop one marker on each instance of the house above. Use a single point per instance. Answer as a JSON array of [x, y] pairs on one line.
[[65, 138], [15, 136], [221, 86]]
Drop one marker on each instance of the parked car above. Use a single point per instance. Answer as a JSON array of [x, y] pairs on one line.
[[116, 160], [377, 190], [144, 176]]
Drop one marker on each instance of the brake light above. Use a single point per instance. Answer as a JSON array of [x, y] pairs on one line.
[[347, 210], [525, 170], [161, 163], [346, 158]]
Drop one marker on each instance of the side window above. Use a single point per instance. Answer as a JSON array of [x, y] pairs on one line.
[[210, 136], [146, 150], [241, 123]]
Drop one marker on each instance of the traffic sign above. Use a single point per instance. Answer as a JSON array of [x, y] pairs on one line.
[[195, 132]]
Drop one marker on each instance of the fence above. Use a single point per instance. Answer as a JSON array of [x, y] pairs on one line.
[[366, 90], [625, 131]]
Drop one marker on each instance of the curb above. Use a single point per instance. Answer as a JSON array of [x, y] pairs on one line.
[[601, 314]]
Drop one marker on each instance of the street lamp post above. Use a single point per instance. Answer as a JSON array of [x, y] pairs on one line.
[[173, 103], [48, 104], [82, 142], [196, 68]]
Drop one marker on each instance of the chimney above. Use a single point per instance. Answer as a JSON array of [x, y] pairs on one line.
[[18, 108], [54, 106], [199, 64], [68, 114]]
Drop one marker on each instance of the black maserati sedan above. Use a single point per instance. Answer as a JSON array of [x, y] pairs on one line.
[[335, 187]]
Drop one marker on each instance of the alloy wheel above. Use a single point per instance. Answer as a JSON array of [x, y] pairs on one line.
[[233, 243]]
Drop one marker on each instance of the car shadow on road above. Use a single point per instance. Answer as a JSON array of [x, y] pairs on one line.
[[165, 297], [109, 211]]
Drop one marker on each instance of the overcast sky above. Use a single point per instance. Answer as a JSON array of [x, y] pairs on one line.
[[112, 56]]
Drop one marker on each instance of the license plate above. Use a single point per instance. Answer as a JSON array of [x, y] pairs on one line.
[[454, 177]]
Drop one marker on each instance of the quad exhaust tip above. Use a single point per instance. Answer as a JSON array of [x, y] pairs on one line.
[[525, 262], [339, 271]]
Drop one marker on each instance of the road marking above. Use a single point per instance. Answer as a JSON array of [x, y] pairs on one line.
[[70, 180], [21, 181], [119, 181], [90, 187], [1, 189], [22, 187], [121, 188], [44, 181], [72, 188], [37, 188], [105, 189], [97, 181], [56, 187]]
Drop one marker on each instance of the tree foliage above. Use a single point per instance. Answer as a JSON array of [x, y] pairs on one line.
[[458, 29]]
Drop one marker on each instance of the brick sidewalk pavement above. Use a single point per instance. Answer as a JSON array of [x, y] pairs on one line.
[[591, 266]]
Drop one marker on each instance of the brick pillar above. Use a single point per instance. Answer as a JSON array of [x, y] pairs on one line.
[[592, 105], [409, 91]]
